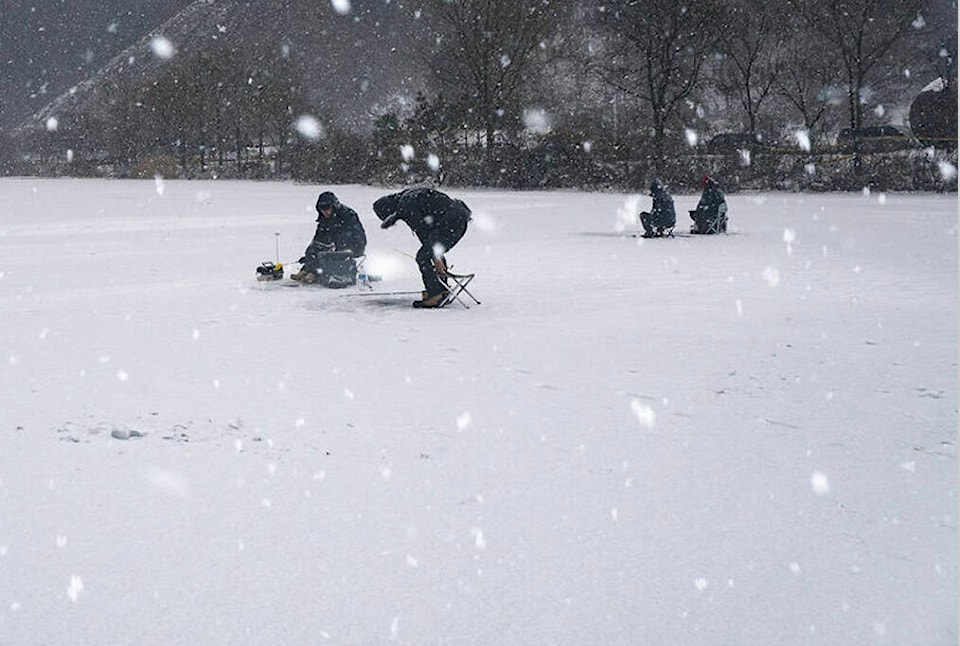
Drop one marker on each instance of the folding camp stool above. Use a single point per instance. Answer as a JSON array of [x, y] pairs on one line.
[[457, 287], [719, 225], [659, 232]]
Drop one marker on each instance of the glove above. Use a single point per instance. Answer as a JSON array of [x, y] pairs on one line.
[[389, 221], [302, 260]]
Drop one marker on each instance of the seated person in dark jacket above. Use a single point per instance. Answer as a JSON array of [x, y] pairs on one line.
[[339, 239], [438, 221], [711, 213], [662, 217]]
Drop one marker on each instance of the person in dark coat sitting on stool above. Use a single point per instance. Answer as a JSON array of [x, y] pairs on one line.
[[711, 213], [438, 221], [339, 239], [662, 217]]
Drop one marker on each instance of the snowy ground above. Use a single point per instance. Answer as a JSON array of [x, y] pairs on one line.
[[747, 439]]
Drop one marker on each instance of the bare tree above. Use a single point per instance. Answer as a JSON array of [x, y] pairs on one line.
[[752, 55], [862, 34], [482, 52], [810, 80], [654, 52]]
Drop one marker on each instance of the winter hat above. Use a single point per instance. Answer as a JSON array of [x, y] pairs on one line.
[[655, 186], [706, 179], [327, 200], [386, 206]]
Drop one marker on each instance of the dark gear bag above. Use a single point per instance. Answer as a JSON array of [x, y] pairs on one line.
[[336, 269]]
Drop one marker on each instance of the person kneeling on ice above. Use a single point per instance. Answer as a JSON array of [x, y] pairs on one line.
[[711, 213], [330, 258], [662, 217], [438, 221]]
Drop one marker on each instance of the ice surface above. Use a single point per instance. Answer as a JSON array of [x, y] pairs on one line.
[[593, 456]]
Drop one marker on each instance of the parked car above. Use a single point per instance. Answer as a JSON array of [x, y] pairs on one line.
[[877, 139], [731, 142]]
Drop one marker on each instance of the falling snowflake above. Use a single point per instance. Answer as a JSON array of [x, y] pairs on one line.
[[627, 214], [646, 415], [537, 121], [820, 483], [309, 127], [692, 137], [464, 420], [478, 539], [407, 152], [803, 139], [162, 48], [771, 275], [394, 628], [52, 124], [75, 588], [433, 162], [947, 170], [342, 7]]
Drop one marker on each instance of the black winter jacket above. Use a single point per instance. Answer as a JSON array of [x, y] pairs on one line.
[[708, 209], [433, 216], [662, 212], [342, 229]]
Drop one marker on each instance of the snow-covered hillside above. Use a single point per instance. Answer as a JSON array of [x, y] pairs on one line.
[[747, 439]]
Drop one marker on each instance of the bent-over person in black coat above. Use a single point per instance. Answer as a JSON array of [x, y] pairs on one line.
[[438, 221]]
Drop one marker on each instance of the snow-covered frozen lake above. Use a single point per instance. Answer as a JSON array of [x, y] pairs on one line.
[[747, 439]]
